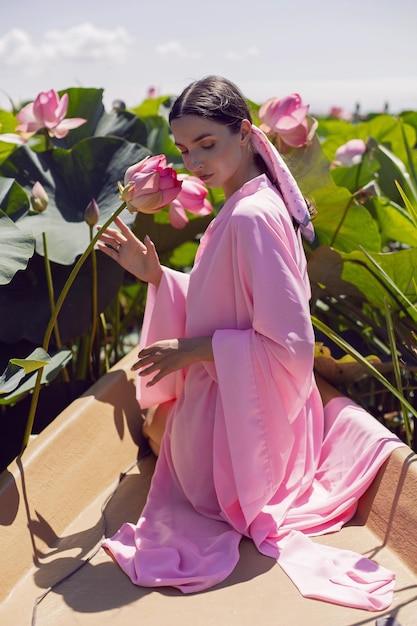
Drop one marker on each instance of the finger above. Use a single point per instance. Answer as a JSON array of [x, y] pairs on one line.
[[112, 232], [150, 246], [110, 240], [140, 364], [148, 350], [145, 358], [109, 245], [109, 250], [135, 366], [116, 234], [148, 370], [154, 380], [123, 228]]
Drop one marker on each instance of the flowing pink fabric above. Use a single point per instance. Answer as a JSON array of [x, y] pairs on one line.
[[248, 450]]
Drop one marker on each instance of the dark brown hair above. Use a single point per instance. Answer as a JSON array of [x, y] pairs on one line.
[[215, 98]]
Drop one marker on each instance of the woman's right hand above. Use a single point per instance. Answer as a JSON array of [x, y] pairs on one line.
[[140, 259]]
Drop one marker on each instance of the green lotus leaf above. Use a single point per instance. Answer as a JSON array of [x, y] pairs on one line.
[[16, 246], [18, 368], [342, 223], [71, 178], [88, 104], [395, 223]]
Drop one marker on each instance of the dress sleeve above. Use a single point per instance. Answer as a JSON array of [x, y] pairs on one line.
[[164, 318]]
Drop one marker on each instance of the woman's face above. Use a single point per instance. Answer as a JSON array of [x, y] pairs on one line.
[[212, 152]]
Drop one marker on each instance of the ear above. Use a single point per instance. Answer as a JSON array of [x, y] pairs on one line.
[[245, 132]]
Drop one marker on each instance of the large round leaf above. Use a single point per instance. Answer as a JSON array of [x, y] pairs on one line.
[[88, 104], [343, 224], [71, 178]]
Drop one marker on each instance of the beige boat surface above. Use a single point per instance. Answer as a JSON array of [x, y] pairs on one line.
[[55, 508]]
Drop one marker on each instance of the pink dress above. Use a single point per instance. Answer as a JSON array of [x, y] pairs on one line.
[[248, 450]]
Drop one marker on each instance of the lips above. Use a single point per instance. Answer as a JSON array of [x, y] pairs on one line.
[[205, 177]]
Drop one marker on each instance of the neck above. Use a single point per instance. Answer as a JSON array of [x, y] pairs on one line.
[[247, 172]]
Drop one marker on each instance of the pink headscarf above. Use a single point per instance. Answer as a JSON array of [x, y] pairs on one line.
[[281, 175]]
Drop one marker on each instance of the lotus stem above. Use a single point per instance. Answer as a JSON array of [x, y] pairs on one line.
[[349, 204], [340, 224], [397, 373], [106, 355], [94, 307], [51, 294], [54, 316]]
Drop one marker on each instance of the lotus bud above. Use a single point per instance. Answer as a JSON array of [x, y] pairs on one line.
[[92, 213], [350, 153], [38, 198]]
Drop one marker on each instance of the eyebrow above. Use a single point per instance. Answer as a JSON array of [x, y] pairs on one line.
[[197, 139]]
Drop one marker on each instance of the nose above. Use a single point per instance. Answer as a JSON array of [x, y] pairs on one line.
[[195, 164]]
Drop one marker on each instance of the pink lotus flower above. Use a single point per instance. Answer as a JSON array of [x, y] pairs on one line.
[[192, 198], [350, 153], [149, 185], [47, 111], [337, 113], [285, 118]]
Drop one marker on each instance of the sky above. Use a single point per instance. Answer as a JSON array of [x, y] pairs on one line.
[[331, 52]]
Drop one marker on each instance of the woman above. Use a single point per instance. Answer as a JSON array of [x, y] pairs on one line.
[[225, 370]]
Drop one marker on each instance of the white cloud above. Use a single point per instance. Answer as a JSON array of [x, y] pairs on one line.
[[87, 41], [84, 42], [18, 48], [250, 53], [176, 49]]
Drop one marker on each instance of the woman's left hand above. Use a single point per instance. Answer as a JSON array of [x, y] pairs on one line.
[[170, 355]]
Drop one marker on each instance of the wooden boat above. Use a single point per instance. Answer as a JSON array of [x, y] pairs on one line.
[[90, 470]]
